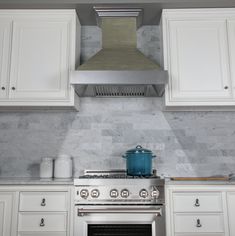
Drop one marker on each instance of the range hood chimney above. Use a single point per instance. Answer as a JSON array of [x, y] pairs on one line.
[[119, 69]]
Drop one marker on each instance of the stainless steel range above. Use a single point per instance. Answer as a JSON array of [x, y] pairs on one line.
[[112, 203]]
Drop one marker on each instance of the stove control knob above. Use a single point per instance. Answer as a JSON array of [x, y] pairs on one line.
[[84, 193], [143, 193], [113, 193], [155, 193], [125, 193], [95, 193]]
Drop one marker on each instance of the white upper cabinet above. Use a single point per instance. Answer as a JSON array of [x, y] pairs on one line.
[[5, 44], [231, 37], [39, 68], [196, 55], [39, 50]]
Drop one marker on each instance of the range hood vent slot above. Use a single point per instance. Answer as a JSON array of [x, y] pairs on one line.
[[120, 91]]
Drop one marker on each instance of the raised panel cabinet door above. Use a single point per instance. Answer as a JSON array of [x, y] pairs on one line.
[[39, 65], [198, 61], [5, 213], [5, 48], [231, 40], [231, 212]]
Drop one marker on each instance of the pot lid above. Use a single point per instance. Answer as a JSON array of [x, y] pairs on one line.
[[138, 149]]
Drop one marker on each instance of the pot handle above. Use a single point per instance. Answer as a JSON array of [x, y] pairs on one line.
[[123, 156], [138, 147], [153, 156]]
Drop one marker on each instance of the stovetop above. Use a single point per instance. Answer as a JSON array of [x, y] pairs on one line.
[[116, 187], [114, 174]]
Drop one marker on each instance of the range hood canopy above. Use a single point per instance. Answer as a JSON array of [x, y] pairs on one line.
[[119, 68]]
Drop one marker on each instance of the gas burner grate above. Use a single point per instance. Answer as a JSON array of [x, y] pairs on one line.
[[114, 174]]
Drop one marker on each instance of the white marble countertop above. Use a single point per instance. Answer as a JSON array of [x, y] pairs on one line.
[[34, 181], [168, 181]]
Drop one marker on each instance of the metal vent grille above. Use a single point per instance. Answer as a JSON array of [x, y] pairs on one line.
[[120, 91]]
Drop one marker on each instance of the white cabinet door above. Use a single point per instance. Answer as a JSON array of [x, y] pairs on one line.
[[198, 61], [231, 39], [231, 212], [6, 200], [5, 44], [40, 52]]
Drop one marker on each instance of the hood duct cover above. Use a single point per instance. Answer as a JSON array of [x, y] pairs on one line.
[[119, 68]]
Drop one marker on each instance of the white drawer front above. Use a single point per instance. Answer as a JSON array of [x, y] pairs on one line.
[[43, 201], [42, 234], [43, 221], [200, 223], [197, 202]]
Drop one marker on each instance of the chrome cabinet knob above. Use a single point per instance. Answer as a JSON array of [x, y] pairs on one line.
[[84, 193], [95, 193], [13, 88], [3, 88], [143, 193], [113, 193], [125, 193], [225, 87]]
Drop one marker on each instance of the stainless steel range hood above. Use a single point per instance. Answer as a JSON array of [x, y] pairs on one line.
[[119, 69]]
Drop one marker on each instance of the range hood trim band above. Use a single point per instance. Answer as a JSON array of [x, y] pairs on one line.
[[130, 77]]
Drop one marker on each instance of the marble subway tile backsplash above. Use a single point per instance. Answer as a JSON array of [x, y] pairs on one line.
[[186, 143]]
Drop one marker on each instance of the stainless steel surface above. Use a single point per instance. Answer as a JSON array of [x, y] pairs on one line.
[[112, 197], [119, 69], [82, 211]]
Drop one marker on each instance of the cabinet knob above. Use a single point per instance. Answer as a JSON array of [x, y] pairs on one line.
[[3, 88], [225, 87], [13, 88], [198, 223], [43, 203], [197, 204], [42, 224]]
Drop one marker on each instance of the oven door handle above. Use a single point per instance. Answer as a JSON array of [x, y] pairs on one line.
[[156, 211]]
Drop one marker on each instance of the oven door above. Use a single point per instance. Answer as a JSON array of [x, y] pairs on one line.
[[119, 220]]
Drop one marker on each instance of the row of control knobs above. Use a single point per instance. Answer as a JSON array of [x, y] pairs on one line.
[[95, 193]]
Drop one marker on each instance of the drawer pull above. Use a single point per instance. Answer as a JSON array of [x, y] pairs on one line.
[[197, 204], [43, 203], [199, 223], [42, 224]]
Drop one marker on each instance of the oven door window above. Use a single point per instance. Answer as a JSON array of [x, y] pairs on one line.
[[120, 229]]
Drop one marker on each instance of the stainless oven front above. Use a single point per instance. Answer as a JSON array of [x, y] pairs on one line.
[[121, 220]]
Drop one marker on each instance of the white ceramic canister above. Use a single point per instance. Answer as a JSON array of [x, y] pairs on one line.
[[63, 166], [46, 167]]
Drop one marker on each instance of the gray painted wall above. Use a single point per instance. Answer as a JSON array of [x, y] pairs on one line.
[[186, 143]]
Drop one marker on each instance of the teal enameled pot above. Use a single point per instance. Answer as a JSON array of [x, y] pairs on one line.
[[139, 161]]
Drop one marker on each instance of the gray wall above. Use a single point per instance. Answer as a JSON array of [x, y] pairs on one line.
[[186, 143]]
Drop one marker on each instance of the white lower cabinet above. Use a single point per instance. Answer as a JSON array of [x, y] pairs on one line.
[[43, 221], [6, 213], [42, 234], [200, 210], [36, 210], [231, 212], [198, 223]]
